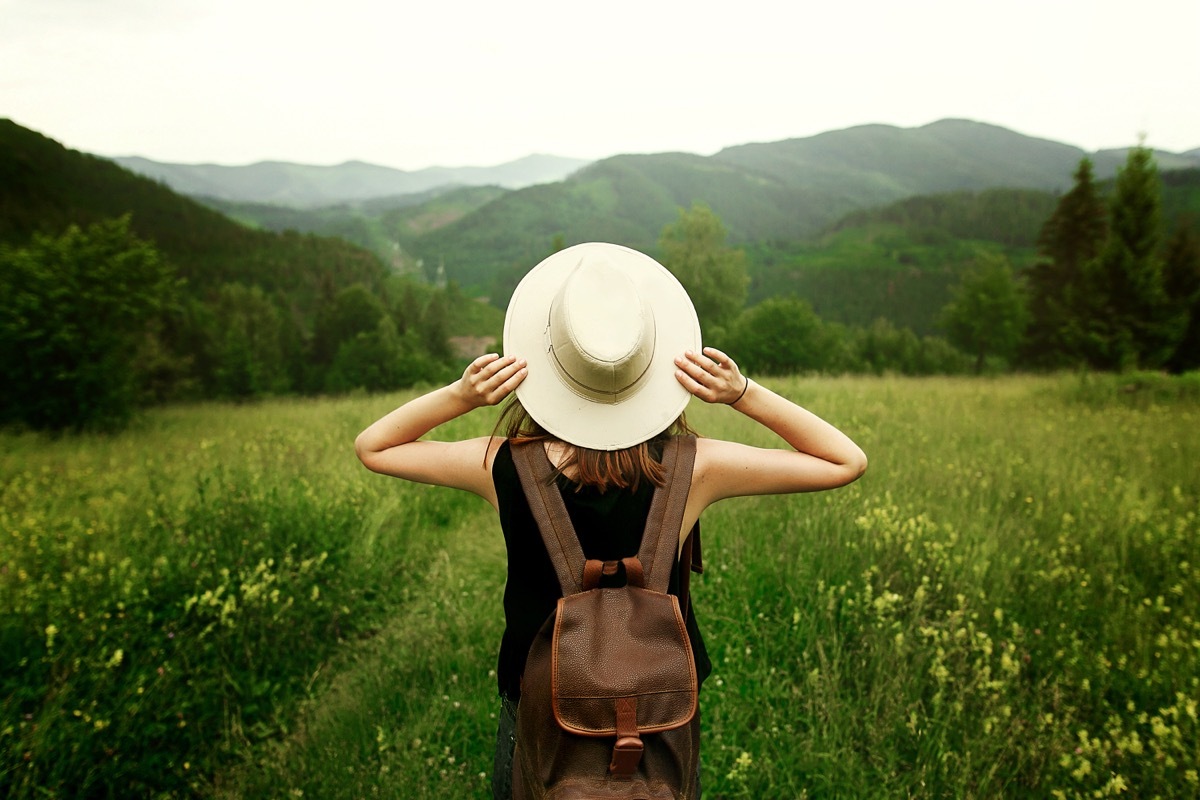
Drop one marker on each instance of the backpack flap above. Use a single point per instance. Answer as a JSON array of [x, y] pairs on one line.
[[624, 645]]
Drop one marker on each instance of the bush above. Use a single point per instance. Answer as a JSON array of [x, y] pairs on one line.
[[779, 336]]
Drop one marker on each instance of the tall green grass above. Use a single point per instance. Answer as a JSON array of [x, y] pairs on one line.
[[224, 603]]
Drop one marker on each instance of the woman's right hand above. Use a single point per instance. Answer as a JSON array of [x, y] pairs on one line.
[[490, 378], [711, 375]]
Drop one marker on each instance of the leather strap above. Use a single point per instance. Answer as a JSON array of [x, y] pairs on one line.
[[627, 751], [634, 574], [660, 540], [536, 474], [594, 570]]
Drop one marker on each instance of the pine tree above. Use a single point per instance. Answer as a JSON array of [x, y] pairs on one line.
[[1137, 325], [1182, 279], [1058, 301]]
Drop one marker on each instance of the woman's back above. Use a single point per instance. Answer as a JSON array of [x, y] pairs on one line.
[[609, 525]]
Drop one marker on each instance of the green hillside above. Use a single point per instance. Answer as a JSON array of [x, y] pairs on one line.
[[788, 191], [879, 162], [626, 199], [856, 275], [457, 201], [386, 225], [45, 187], [898, 261], [780, 191]]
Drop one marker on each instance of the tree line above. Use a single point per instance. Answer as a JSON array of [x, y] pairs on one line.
[[1115, 287], [97, 322]]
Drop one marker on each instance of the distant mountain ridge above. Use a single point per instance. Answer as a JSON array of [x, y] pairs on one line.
[[307, 186], [776, 191], [865, 164], [785, 190]]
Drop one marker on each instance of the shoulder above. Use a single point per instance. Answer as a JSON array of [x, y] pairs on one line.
[[712, 451], [724, 469]]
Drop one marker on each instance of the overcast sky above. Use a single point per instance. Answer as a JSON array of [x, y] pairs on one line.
[[439, 82]]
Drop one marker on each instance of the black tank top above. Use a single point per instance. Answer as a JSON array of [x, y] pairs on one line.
[[609, 526]]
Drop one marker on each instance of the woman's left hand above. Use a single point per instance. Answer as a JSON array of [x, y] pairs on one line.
[[711, 375]]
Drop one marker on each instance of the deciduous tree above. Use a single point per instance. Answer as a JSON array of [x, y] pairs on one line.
[[988, 313], [74, 310], [695, 251], [248, 344]]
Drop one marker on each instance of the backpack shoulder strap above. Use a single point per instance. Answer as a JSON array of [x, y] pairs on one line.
[[660, 541], [550, 512]]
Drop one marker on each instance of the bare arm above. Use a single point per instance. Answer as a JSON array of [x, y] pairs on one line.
[[392, 445], [822, 457]]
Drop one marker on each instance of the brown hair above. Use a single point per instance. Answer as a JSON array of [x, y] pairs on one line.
[[603, 469]]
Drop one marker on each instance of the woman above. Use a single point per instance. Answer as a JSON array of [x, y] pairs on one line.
[[602, 355]]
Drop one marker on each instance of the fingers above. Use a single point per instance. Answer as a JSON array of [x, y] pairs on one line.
[[492, 377], [481, 362], [719, 357], [512, 381], [698, 374], [690, 383], [710, 375]]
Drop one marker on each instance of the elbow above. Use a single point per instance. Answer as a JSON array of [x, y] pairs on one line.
[[860, 465], [364, 453], [855, 466]]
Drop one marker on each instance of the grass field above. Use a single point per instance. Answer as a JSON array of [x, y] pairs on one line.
[[222, 602]]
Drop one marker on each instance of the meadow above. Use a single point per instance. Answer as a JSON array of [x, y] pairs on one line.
[[221, 602]]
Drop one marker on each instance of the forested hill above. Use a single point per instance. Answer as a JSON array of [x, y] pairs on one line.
[[878, 163], [44, 187], [84, 242], [778, 191]]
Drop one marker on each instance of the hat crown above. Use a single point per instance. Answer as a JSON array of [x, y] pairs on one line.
[[601, 332], [600, 326]]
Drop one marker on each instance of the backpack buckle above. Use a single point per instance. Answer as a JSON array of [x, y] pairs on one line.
[[627, 754]]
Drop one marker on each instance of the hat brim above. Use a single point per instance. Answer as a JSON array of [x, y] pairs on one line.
[[569, 416]]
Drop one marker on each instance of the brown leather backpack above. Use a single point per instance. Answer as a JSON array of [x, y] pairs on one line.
[[609, 694]]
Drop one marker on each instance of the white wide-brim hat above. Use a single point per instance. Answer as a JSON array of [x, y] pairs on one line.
[[600, 326]]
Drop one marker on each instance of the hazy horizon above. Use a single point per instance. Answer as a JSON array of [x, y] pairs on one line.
[[235, 82]]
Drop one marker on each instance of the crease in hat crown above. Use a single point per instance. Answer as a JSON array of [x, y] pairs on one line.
[[600, 332]]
